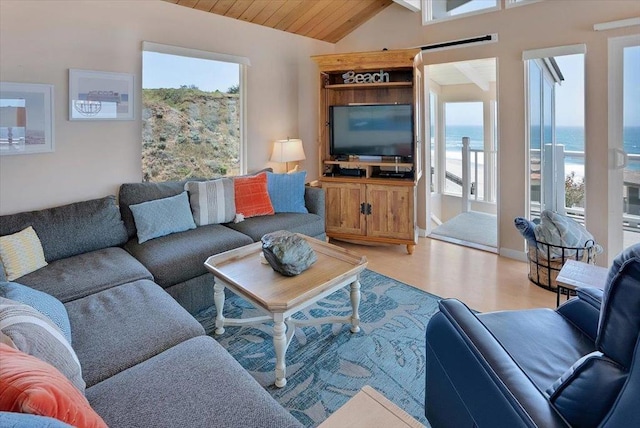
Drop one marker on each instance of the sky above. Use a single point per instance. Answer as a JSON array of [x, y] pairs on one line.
[[172, 71]]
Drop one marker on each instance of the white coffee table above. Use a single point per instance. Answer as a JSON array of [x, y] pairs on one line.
[[279, 296]]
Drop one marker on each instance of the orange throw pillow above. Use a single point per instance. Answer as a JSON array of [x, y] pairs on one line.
[[29, 385], [251, 195]]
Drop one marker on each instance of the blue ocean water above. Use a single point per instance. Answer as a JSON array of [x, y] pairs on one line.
[[571, 136]]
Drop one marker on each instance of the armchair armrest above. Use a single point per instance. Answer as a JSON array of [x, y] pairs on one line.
[[584, 312], [314, 200], [472, 379]]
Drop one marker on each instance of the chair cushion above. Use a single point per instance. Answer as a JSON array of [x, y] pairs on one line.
[[21, 253], [180, 256], [162, 217], [123, 326], [72, 229], [541, 341], [208, 388], [31, 332], [619, 325], [307, 224], [30, 385], [572, 394], [84, 274]]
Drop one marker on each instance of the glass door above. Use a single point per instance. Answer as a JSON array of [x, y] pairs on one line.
[[624, 143]]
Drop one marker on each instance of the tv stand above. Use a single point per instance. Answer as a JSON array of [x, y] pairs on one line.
[[368, 199]]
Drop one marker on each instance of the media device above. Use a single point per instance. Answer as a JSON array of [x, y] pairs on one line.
[[372, 130]]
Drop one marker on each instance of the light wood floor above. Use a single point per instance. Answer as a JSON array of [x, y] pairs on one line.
[[483, 281]]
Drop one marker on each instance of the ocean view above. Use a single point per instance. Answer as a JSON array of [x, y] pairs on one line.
[[572, 137]]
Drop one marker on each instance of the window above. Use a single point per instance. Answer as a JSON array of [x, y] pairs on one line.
[[192, 121], [556, 130], [439, 10]]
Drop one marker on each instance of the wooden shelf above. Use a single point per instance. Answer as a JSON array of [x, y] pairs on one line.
[[364, 164], [368, 85]]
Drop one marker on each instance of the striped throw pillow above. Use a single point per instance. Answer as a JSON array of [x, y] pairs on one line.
[[31, 332], [212, 202], [21, 253]]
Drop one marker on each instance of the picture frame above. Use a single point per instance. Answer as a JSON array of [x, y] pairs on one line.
[[26, 118], [101, 95]]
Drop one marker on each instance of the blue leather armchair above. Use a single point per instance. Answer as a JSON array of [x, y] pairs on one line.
[[576, 366]]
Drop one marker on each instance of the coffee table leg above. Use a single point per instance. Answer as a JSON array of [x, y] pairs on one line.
[[218, 298], [355, 304], [280, 346]]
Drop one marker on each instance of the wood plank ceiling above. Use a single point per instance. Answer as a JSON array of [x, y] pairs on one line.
[[327, 20]]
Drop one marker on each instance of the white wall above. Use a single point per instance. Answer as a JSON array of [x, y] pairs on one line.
[[41, 40], [536, 25]]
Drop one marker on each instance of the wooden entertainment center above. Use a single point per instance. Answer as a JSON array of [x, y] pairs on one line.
[[369, 198]]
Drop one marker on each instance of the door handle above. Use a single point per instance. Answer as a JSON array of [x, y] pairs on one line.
[[368, 209], [363, 209], [619, 158]]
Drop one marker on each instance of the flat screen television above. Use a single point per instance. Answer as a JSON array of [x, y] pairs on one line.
[[372, 130]]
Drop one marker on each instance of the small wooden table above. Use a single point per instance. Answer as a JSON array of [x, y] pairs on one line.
[[370, 409], [280, 296], [576, 274]]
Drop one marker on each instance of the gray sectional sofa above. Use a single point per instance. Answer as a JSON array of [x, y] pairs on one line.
[[145, 359]]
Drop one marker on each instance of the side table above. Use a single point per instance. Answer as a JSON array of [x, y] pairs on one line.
[[370, 409], [576, 274]]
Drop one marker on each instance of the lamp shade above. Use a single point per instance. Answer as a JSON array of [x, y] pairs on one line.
[[288, 150]]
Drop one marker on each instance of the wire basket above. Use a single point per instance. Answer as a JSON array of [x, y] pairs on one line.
[[546, 260]]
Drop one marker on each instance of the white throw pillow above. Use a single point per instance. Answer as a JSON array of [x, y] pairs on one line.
[[21, 253]]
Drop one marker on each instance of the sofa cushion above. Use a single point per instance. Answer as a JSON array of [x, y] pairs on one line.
[[135, 193], [30, 385], [180, 256], [71, 229], [251, 196], [541, 341], [123, 326], [27, 330], [84, 274], [162, 217], [21, 253], [194, 384], [307, 224], [212, 202], [44, 303], [286, 192]]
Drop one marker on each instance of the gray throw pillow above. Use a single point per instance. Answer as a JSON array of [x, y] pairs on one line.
[[162, 217], [31, 332], [212, 202]]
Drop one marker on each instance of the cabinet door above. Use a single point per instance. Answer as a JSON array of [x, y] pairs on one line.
[[343, 208], [392, 211]]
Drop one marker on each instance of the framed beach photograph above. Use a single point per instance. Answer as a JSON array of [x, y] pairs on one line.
[[26, 118], [100, 95]]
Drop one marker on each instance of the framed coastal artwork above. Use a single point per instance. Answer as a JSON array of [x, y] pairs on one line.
[[100, 95], [26, 118]]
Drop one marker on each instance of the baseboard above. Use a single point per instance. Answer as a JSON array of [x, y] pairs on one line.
[[513, 254]]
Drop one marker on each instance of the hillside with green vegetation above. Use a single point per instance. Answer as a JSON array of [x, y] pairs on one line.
[[189, 133]]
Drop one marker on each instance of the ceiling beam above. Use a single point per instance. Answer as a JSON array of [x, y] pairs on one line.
[[471, 74]]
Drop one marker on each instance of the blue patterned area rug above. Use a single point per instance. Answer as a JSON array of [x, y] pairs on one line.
[[327, 364]]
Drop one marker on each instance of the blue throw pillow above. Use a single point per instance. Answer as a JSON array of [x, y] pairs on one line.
[[26, 420], [162, 217], [527, 229], [286, 192], [42, 302]]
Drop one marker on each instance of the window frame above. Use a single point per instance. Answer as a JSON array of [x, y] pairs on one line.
[[427, 12], [243, 64]]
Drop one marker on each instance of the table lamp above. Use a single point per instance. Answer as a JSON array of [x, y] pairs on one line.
[[289, 150]]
